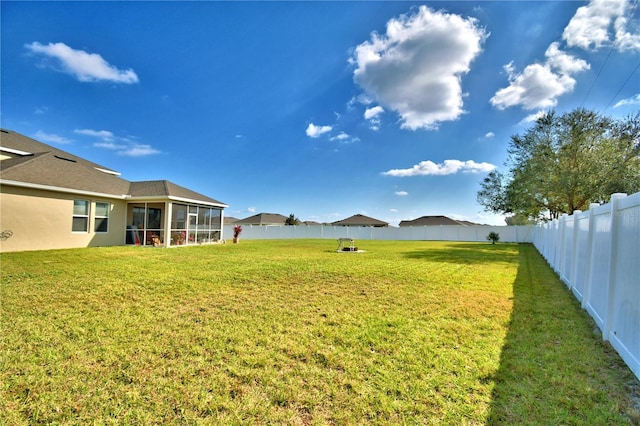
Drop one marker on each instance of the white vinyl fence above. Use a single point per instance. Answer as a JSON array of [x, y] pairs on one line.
[[511, 234], [597, 255]]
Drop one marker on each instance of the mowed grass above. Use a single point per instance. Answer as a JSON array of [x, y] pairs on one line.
[[290, 332]]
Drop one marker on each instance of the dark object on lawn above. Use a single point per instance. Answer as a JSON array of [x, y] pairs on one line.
[[493, 237], [349, 248]]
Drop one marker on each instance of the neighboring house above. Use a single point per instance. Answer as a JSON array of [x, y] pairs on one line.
[[263, 219], [51, 199], [361, 220], [228, 220], [435, 221]]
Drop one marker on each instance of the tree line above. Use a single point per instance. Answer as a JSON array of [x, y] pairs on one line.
[[563, 163]]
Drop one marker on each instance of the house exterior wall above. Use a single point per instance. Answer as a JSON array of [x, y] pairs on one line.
[[34, 219]]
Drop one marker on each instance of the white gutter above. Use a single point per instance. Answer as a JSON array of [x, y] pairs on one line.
[[15, 151], [109, 172]]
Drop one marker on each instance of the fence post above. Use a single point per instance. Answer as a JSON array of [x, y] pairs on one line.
[[586, 293], [558, 260], [574, 251], [615, 225]]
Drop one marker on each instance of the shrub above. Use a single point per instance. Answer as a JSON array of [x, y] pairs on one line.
[[493, 237]]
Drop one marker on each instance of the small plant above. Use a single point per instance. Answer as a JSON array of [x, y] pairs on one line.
[[237, 230], [494, 237], [292, 220], [178, 237]]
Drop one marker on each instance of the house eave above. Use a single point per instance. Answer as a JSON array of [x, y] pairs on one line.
[[193, 201], [142, 198]]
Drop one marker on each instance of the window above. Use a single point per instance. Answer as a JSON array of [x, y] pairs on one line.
[[203, 218], [102, 217], [194, 224], [215, 219], [179, 217], [138, 217], [80, 216], [154, 218]]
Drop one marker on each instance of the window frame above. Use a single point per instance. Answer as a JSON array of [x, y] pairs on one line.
[[101, 218], [86, 216]]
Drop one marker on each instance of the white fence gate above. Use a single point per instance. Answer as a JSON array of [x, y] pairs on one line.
[[597, 255]]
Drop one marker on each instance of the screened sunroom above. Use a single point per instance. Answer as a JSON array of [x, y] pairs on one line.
[[177, 221]]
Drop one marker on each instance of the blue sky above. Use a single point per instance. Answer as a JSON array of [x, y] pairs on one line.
[[394, 110]]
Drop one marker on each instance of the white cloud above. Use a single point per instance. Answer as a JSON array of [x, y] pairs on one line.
[[634, 100], [362, 98], [110, 141], [599, 23], [86, 67], [343, 137], [102, 134], [401, 193], [314, 131], [251, 209], [592, 24], [109, 145], [625, 40], [374, 112], [425, 168], [373, 116], [51, 138], [416, 67], [532, 117], [562, 62], [138, 150], [489, 135], [539, 85]]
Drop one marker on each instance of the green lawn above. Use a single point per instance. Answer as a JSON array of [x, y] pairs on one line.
[[290, 332]]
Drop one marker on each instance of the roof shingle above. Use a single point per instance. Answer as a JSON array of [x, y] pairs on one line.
[[360, 220]]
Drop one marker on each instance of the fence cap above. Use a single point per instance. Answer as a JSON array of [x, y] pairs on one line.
[[618, 195]]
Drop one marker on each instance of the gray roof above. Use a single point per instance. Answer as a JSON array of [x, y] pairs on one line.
[[263, 219], [360, 220], [37, 164], [41, 164], [166, 189], [433, 221], [15, 140]]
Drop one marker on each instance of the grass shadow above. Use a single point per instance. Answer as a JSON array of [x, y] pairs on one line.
[[553, 367], [467, 253]]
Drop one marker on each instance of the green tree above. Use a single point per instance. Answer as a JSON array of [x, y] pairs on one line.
[[518, 219], [563, 163], [292, 220]]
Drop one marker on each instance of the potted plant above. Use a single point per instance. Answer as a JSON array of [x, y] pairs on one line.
[[177, 238], [237, 230]]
